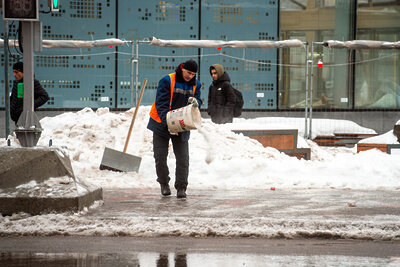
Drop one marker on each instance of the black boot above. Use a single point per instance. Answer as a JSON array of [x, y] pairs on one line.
[[181, 193], [165, 191]]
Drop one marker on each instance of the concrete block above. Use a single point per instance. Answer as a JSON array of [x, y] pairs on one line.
[[41, 180], [20, 165]]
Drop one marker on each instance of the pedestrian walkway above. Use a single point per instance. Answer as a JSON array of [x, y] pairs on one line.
[[262, 213], [244, 204]]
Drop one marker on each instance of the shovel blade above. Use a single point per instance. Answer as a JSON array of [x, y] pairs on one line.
[[119, 161]]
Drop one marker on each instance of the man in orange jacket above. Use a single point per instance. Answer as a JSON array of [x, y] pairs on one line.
[[185, 89]]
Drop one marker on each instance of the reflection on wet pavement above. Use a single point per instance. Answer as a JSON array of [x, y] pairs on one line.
[[149, 259]]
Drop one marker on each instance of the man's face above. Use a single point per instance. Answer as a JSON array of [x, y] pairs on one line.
[[18, 75], [187, 74], [214, 74]]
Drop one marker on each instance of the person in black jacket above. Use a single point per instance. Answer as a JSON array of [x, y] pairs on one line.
[[221, 97], [16, 98]]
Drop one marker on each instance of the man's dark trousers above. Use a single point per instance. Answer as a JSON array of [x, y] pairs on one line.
[[181, 151]]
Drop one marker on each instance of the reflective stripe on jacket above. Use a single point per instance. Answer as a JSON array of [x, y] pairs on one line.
[[179, 93], [153, 111]]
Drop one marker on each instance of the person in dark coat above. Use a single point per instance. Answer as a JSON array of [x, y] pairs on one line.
[[221, 97], [186, 90], [16, 98]]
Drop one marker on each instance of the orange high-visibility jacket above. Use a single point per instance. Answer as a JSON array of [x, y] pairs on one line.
[[153, 111]]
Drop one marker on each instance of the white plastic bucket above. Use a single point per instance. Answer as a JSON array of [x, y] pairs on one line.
[[183, 119]]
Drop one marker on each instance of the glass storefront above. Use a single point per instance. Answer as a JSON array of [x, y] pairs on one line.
[[349, 79], [377, 72]]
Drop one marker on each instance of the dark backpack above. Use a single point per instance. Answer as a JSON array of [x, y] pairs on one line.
[[237, 110]]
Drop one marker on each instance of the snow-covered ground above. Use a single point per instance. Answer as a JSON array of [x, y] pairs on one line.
[[219, 158]]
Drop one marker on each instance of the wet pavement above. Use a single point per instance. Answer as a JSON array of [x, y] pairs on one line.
[[262, 203], [139, 227], [305, 213], [193, 252]]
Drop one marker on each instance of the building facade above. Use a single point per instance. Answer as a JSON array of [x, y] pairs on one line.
[[273, 81], [350, 79]]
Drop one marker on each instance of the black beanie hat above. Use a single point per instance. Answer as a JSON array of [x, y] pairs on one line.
[[190, 65], [19, 66]]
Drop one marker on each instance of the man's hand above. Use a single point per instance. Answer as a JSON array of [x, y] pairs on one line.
[[193, 101]]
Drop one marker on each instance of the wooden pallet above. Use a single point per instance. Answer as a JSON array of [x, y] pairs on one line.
[[341, 139], [364, 147], [387, 148], [279, 139], [300, 153]]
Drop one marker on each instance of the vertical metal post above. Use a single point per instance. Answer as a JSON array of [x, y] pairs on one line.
[[137, 69], [132, 65], [28, 126], [306, 97], [27, 33], [311, 89], [6, 79]]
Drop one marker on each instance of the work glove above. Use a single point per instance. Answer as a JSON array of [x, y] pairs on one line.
[[193, 101]]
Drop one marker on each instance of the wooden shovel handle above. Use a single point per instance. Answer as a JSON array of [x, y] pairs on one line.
[[134, 115]]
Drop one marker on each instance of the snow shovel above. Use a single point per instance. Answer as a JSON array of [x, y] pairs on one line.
[[114, 160]]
